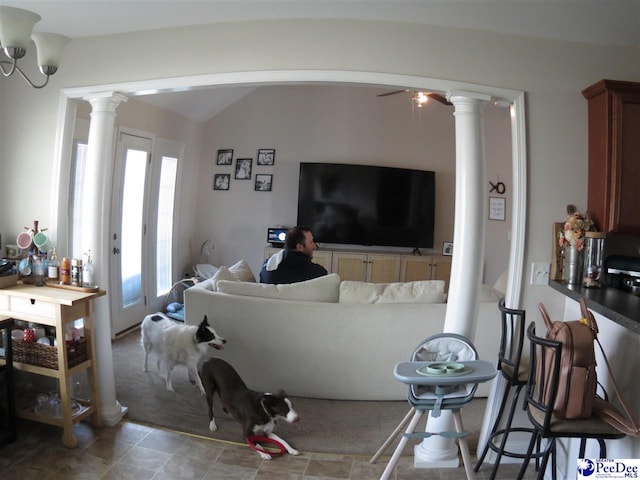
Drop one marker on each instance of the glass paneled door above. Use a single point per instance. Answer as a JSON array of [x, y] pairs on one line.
[[142, 226]]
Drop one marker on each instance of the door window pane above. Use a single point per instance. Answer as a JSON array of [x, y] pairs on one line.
[[79, 200], [164, 226], [132, 226]]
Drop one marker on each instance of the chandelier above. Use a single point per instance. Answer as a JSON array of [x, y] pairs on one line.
[[16, 26]]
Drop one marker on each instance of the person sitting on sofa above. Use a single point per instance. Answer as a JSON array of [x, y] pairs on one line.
[[293, 263]]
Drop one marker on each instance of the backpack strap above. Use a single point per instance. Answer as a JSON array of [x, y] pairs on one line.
[[604, 409], [545, 317]]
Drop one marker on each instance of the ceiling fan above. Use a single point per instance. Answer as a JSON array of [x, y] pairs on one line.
[[419, 97]]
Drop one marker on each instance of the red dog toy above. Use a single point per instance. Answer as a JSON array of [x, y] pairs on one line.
[[255, 442]]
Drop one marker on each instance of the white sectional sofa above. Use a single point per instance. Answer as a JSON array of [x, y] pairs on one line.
[[329, 339]]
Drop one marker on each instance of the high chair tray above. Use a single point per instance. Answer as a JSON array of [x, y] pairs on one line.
[[480, 371]]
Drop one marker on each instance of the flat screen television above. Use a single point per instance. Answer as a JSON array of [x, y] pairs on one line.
[[367, 205]]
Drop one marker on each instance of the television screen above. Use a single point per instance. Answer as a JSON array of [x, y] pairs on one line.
[[366, 205]]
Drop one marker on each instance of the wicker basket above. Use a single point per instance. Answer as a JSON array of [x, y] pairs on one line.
[[47, 356]]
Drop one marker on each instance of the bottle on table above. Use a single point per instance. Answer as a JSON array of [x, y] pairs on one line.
[[88, 273], [53, 272], [65, 271]]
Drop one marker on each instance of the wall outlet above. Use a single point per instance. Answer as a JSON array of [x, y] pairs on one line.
[[540, 273]]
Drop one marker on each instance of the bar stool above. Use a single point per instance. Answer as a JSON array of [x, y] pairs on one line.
[[515, 372], [541, 393]]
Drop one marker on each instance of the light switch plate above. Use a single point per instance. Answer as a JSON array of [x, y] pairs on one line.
[[540, 273]]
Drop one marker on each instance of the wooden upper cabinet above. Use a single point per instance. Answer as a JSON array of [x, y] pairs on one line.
[[614, 155]]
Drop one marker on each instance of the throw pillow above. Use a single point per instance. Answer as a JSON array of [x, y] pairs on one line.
[[489, 294], [242, 272], [321, 289], [223, 273]]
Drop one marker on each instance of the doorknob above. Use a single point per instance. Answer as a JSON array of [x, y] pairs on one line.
[[116, 250]]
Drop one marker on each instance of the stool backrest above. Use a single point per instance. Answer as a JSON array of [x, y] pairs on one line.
[[544, 374], [511, 343]]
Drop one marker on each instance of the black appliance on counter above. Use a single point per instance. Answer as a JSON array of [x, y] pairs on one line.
[[622, 262]]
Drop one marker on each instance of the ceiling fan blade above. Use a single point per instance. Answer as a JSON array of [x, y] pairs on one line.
[[439, 98], [391, 93]]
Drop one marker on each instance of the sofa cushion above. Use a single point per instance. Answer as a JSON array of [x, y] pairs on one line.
[[321, 289], [242, 272], [426, 291]]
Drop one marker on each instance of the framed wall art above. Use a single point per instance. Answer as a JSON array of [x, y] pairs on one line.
[[497, 207], [221, 181], [447, 249], [263, 182], [243, 168], [266, 156], [225, 157]]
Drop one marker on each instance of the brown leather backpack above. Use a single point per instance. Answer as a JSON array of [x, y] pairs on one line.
[[577, 397], [578, 380]]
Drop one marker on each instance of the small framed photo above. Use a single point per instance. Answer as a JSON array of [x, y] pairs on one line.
[[225, 157], [266, 156], [263, 182], [497, 207], [243, 168], [221, 181], [447, 249]]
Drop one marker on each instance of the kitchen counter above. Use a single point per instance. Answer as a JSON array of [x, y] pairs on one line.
[[621, 307]]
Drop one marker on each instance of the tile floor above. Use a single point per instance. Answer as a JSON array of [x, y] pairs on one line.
[[134, 451]]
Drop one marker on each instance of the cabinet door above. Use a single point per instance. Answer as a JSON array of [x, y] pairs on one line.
[[350, 266], [614, 170], [323, 257], [442, 270], [414, 268], [383, 268]]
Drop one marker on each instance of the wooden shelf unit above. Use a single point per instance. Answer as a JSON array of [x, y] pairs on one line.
[[57, 308]]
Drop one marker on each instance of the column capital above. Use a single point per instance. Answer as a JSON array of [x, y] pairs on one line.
[[461, 98], [106, 102]]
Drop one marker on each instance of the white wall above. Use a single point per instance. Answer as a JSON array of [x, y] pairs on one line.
[[332, 124]]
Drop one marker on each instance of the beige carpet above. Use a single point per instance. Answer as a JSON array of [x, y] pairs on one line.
[[326, 426]]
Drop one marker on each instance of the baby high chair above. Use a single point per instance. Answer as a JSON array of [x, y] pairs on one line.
[[448, 382]]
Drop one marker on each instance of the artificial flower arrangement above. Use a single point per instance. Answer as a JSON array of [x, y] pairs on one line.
[[574, 229]]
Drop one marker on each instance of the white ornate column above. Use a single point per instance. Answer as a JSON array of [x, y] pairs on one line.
[[99, 170], [468, 257]]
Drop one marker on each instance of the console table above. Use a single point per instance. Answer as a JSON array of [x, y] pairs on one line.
[[57, 308]]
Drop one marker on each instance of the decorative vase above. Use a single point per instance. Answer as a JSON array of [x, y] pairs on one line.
[[572, 265]]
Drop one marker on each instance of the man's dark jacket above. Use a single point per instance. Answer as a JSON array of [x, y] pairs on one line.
[[295, 267]]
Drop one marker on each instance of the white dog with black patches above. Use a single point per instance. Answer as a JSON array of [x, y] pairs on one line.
[[256, 412], [178, 344]]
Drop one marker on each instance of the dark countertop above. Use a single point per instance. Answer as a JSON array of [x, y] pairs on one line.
[[621, 307]]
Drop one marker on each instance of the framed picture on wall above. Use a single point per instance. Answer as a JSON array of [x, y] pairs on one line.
[[497, 207], [225, 156], [243, 168], [221, 181], [447, 249], [263, 182], [266, 156]]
